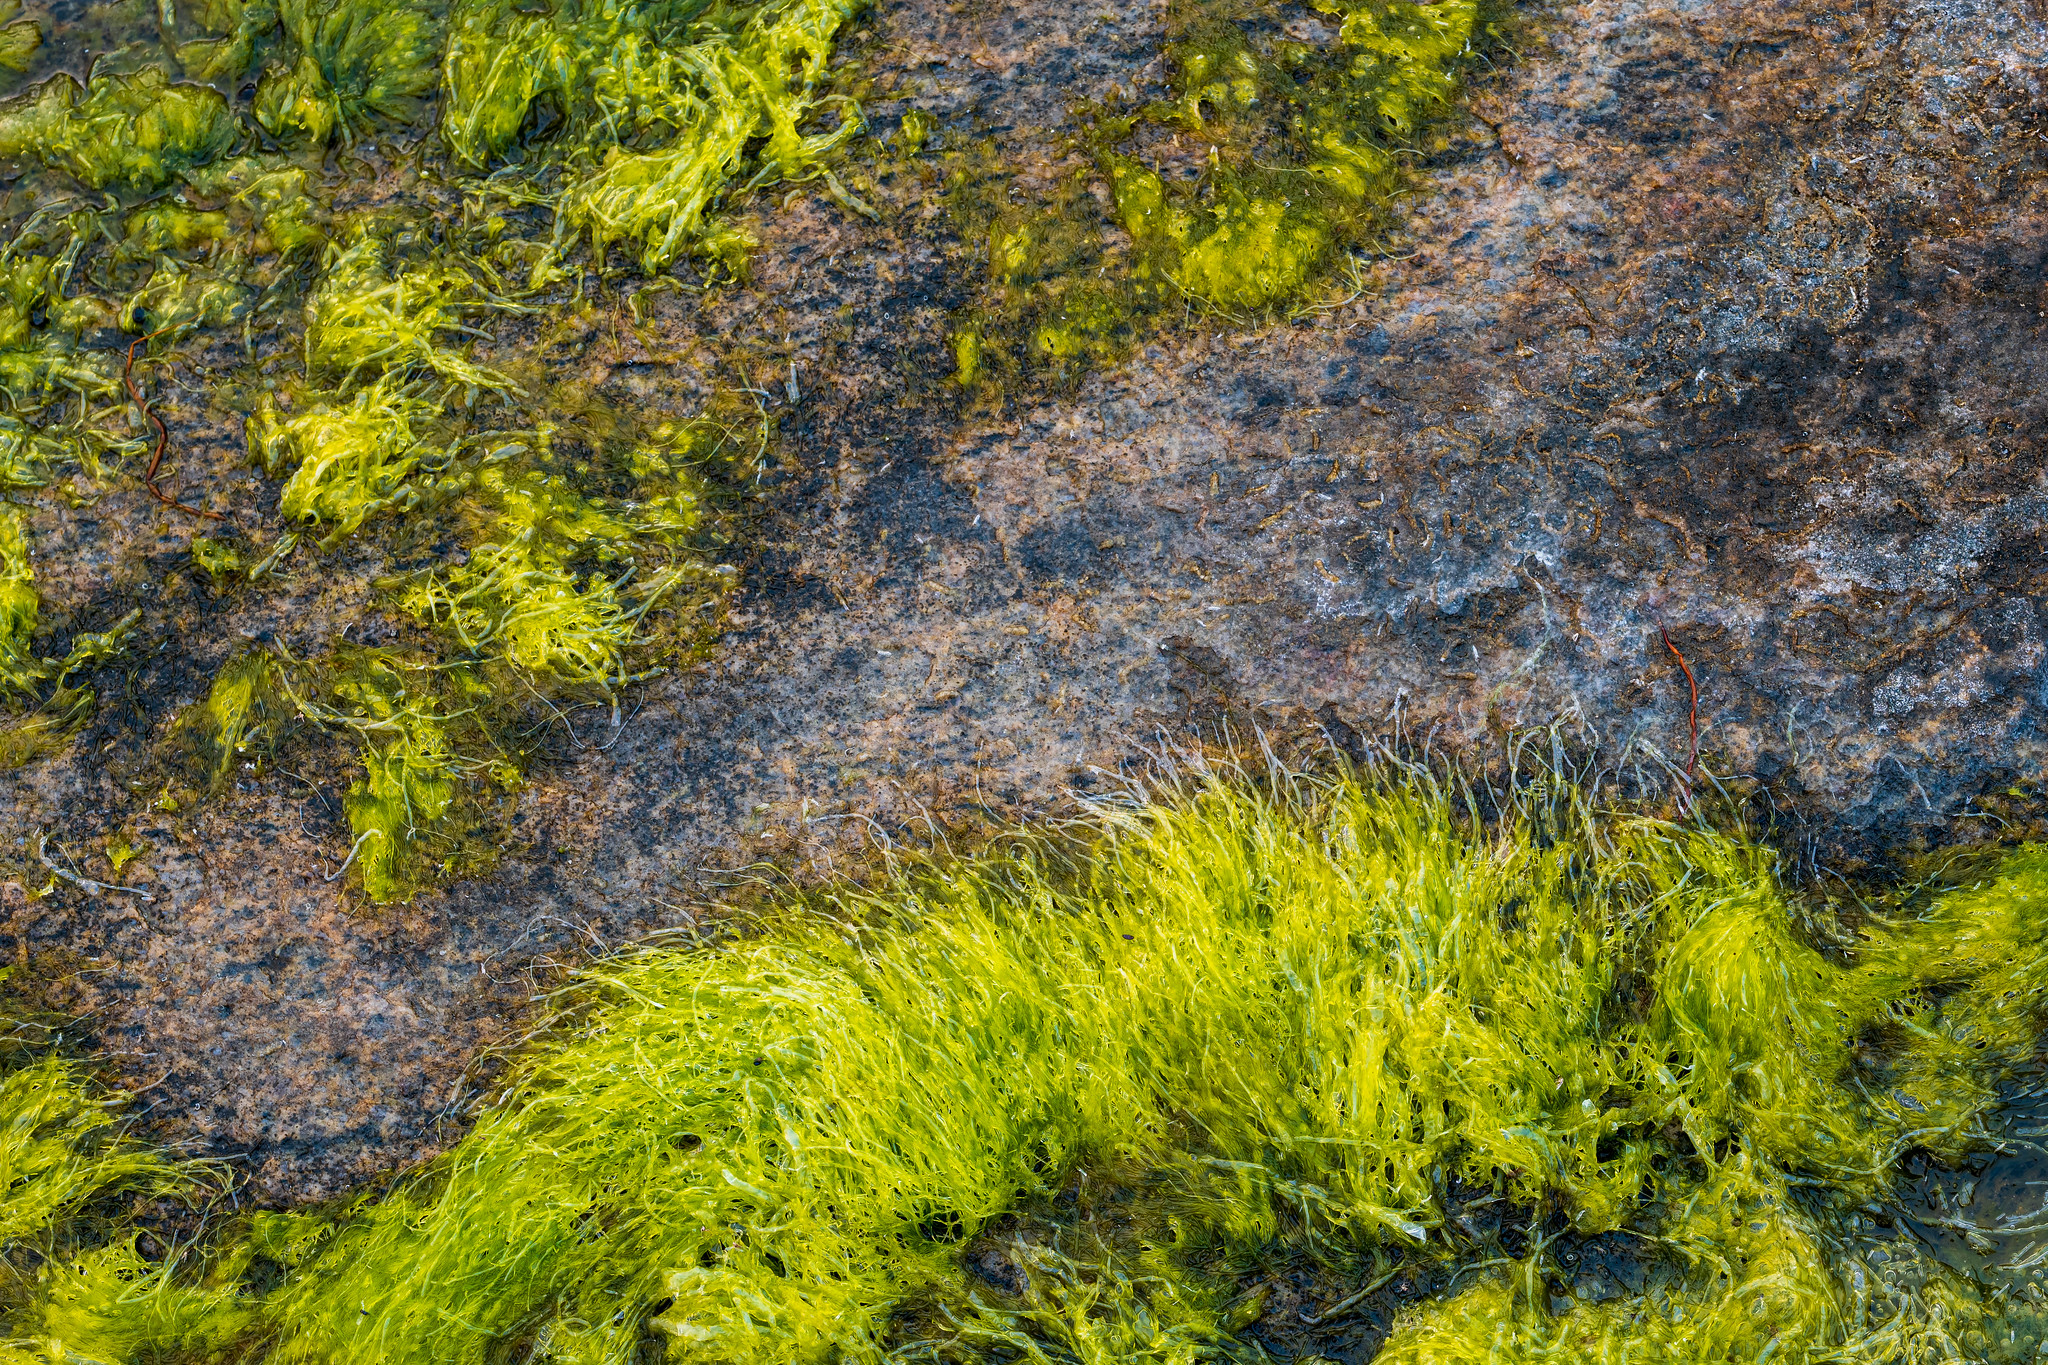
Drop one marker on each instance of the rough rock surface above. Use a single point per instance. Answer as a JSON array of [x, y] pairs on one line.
[[1723, 323]]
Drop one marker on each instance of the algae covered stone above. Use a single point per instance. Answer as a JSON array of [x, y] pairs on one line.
[[136, 131]]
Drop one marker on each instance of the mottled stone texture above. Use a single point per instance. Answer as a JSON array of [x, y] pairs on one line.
[[1723, 320]]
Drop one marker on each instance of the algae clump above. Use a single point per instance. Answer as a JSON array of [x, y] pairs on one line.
[[406, 787], [19, 37], [136, 131], [655, 109], [1321, 1015], [357, 65], [76, 1285], [37, 689], [1270, 163], [648, 115], [59, 1148]]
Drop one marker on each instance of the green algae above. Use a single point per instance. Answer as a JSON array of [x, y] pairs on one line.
[[555, 592], [74, 1284], [19, 38], [425, 743], [1314, 1021], [654, 111], [407, 786], [220, 559], [162, 228], [357, 66], [41, 704], [178, 300], [59, 1148], [115, 1304], [241, 718], [571, 142], [1319, 1016], [20, 606], [555, 596], [269, 199], [560, 594], [1759, 1287], [651, 110], [1091, 1311], [365, 320], [566, 129], [1270, 162], [1316, 1028], [44, 320], [136, 131], [346, 462]]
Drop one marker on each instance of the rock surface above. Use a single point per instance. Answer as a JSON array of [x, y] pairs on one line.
[[1722, 323]]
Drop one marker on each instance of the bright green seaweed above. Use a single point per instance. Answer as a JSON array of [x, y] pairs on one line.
[[58, 1149], [129, 132], [656, 104], [1312, 1026], [72, 1282], [74, 1286]]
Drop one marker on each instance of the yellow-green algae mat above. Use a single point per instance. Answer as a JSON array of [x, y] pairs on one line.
[[194, 195], [1310, 1024]]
